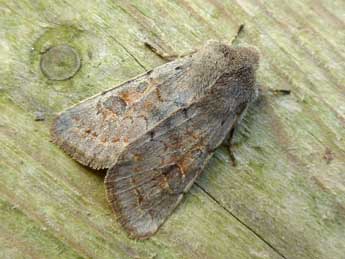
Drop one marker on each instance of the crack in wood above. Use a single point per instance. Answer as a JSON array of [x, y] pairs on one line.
[[129, 53], [240, 221]]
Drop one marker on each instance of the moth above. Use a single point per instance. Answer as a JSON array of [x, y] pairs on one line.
[[156, 132]]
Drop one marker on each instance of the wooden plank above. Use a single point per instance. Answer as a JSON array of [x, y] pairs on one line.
[[284, 199], [285, 188], [68, 202]]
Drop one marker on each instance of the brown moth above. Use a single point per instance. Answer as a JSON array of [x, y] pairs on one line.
[[157, 131]]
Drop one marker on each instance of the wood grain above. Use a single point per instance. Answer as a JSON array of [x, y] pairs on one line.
[[285, 199]]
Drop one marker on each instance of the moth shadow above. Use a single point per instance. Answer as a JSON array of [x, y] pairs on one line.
[[101, 173]]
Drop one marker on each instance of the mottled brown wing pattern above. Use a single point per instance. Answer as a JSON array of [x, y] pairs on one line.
[[144, 200], [153, 173], [96, 130], [157, 131]]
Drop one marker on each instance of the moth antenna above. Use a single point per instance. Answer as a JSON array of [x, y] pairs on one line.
[[239, 31], [160, 53], [275, 92], [280, 91]]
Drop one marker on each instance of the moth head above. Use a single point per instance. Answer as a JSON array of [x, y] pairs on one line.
[[231, 58], [246, 56], [235, 62]]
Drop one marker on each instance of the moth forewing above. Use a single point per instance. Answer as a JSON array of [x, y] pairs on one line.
[[95, 131], [153, 172]]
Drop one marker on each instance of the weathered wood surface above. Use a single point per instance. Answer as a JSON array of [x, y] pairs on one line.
[[286, 197]]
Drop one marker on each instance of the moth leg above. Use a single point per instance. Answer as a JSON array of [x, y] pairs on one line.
[[161, 53], [231, 154], [275, 92], [166, 56], [280, 91]]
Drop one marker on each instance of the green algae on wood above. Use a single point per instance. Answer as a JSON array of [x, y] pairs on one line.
[[285, 198]]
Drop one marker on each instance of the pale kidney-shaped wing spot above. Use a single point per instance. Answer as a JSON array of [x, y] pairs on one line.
[[115, 104]]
